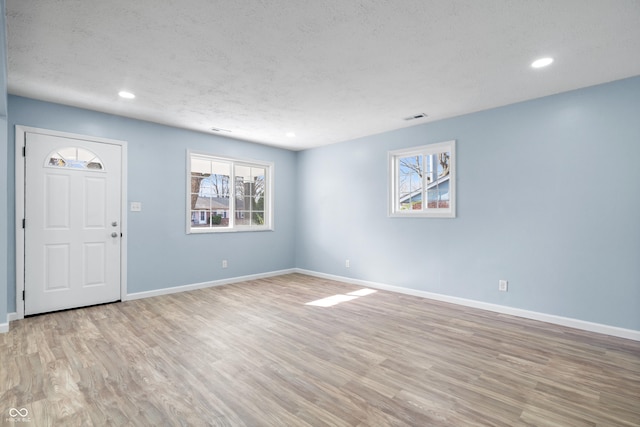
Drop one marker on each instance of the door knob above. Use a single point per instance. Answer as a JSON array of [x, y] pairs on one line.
[[114, 234]]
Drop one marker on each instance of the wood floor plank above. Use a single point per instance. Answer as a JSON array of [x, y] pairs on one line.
[[256, 354]]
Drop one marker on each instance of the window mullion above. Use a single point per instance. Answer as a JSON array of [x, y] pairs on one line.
[[232, 196], [425, 183], [396, 183]]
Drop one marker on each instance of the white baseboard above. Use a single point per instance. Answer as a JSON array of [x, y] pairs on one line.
[[533, 315], [194, 286], [4, 327]]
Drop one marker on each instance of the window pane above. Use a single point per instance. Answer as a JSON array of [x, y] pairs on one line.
[[225, 193], [217, 210], [419, 173], [444, 159], [431, 168], [214, 186], [250, 218], [437, 166], [200, 166], [438, 197], [210, 193], [258, 179], [243, 218], [209, 217], [243, 172], [250, 193], [410, 171], [199, 218], [74, 157], [219, 218], [257, 218]]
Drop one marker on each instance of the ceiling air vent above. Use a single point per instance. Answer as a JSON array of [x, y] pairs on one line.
[[416, 116]]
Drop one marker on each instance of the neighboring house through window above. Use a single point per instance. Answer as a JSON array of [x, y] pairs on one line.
[[422, 181], [227, 194]]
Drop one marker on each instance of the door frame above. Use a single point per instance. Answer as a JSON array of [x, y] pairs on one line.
[[20, 168]]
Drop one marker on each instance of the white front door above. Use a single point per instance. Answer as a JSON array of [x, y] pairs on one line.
[[72, 222]]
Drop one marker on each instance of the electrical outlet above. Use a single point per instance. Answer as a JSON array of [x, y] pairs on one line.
[[503, 285], [225, 264], [347, 264]]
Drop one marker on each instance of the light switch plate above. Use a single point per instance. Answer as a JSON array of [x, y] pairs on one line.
[[136, 206]]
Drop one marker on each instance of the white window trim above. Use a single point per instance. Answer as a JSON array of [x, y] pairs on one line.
[[395, 155], [268, 201]]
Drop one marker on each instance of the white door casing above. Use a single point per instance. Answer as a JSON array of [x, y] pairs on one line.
[[74, 219]]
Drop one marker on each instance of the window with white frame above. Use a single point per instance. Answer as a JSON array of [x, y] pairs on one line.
[[225, 194], [422, 181]]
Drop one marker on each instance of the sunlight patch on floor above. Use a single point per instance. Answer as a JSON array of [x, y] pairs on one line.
[[363, 292], [339, 298]]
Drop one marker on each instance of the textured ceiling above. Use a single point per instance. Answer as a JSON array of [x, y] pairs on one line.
[[329, 70]]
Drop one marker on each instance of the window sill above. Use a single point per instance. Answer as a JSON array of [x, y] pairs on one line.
[[228, 230], [447, 214]]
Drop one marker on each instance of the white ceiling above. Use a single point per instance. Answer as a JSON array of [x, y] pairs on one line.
[[329, 70]]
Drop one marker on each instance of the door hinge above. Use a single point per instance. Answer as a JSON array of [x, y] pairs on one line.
[[22, 295], [24, 151], [24, 221]]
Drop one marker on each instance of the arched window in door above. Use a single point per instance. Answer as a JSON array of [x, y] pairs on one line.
[[74, 158]]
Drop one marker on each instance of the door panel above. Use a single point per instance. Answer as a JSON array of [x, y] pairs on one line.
[[95, 199], [72, 232], [56, 192], [94, 261], [57, 264]]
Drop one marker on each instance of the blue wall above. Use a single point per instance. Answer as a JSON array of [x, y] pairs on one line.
[[160, 253], [5, 246], [548, 198]]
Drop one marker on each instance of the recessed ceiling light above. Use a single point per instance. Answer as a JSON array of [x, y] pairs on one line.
[[220, 130], [126, 95], [290, 134], [542, 62]]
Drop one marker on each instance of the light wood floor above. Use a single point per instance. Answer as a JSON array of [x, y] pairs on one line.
[[253, 354]]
